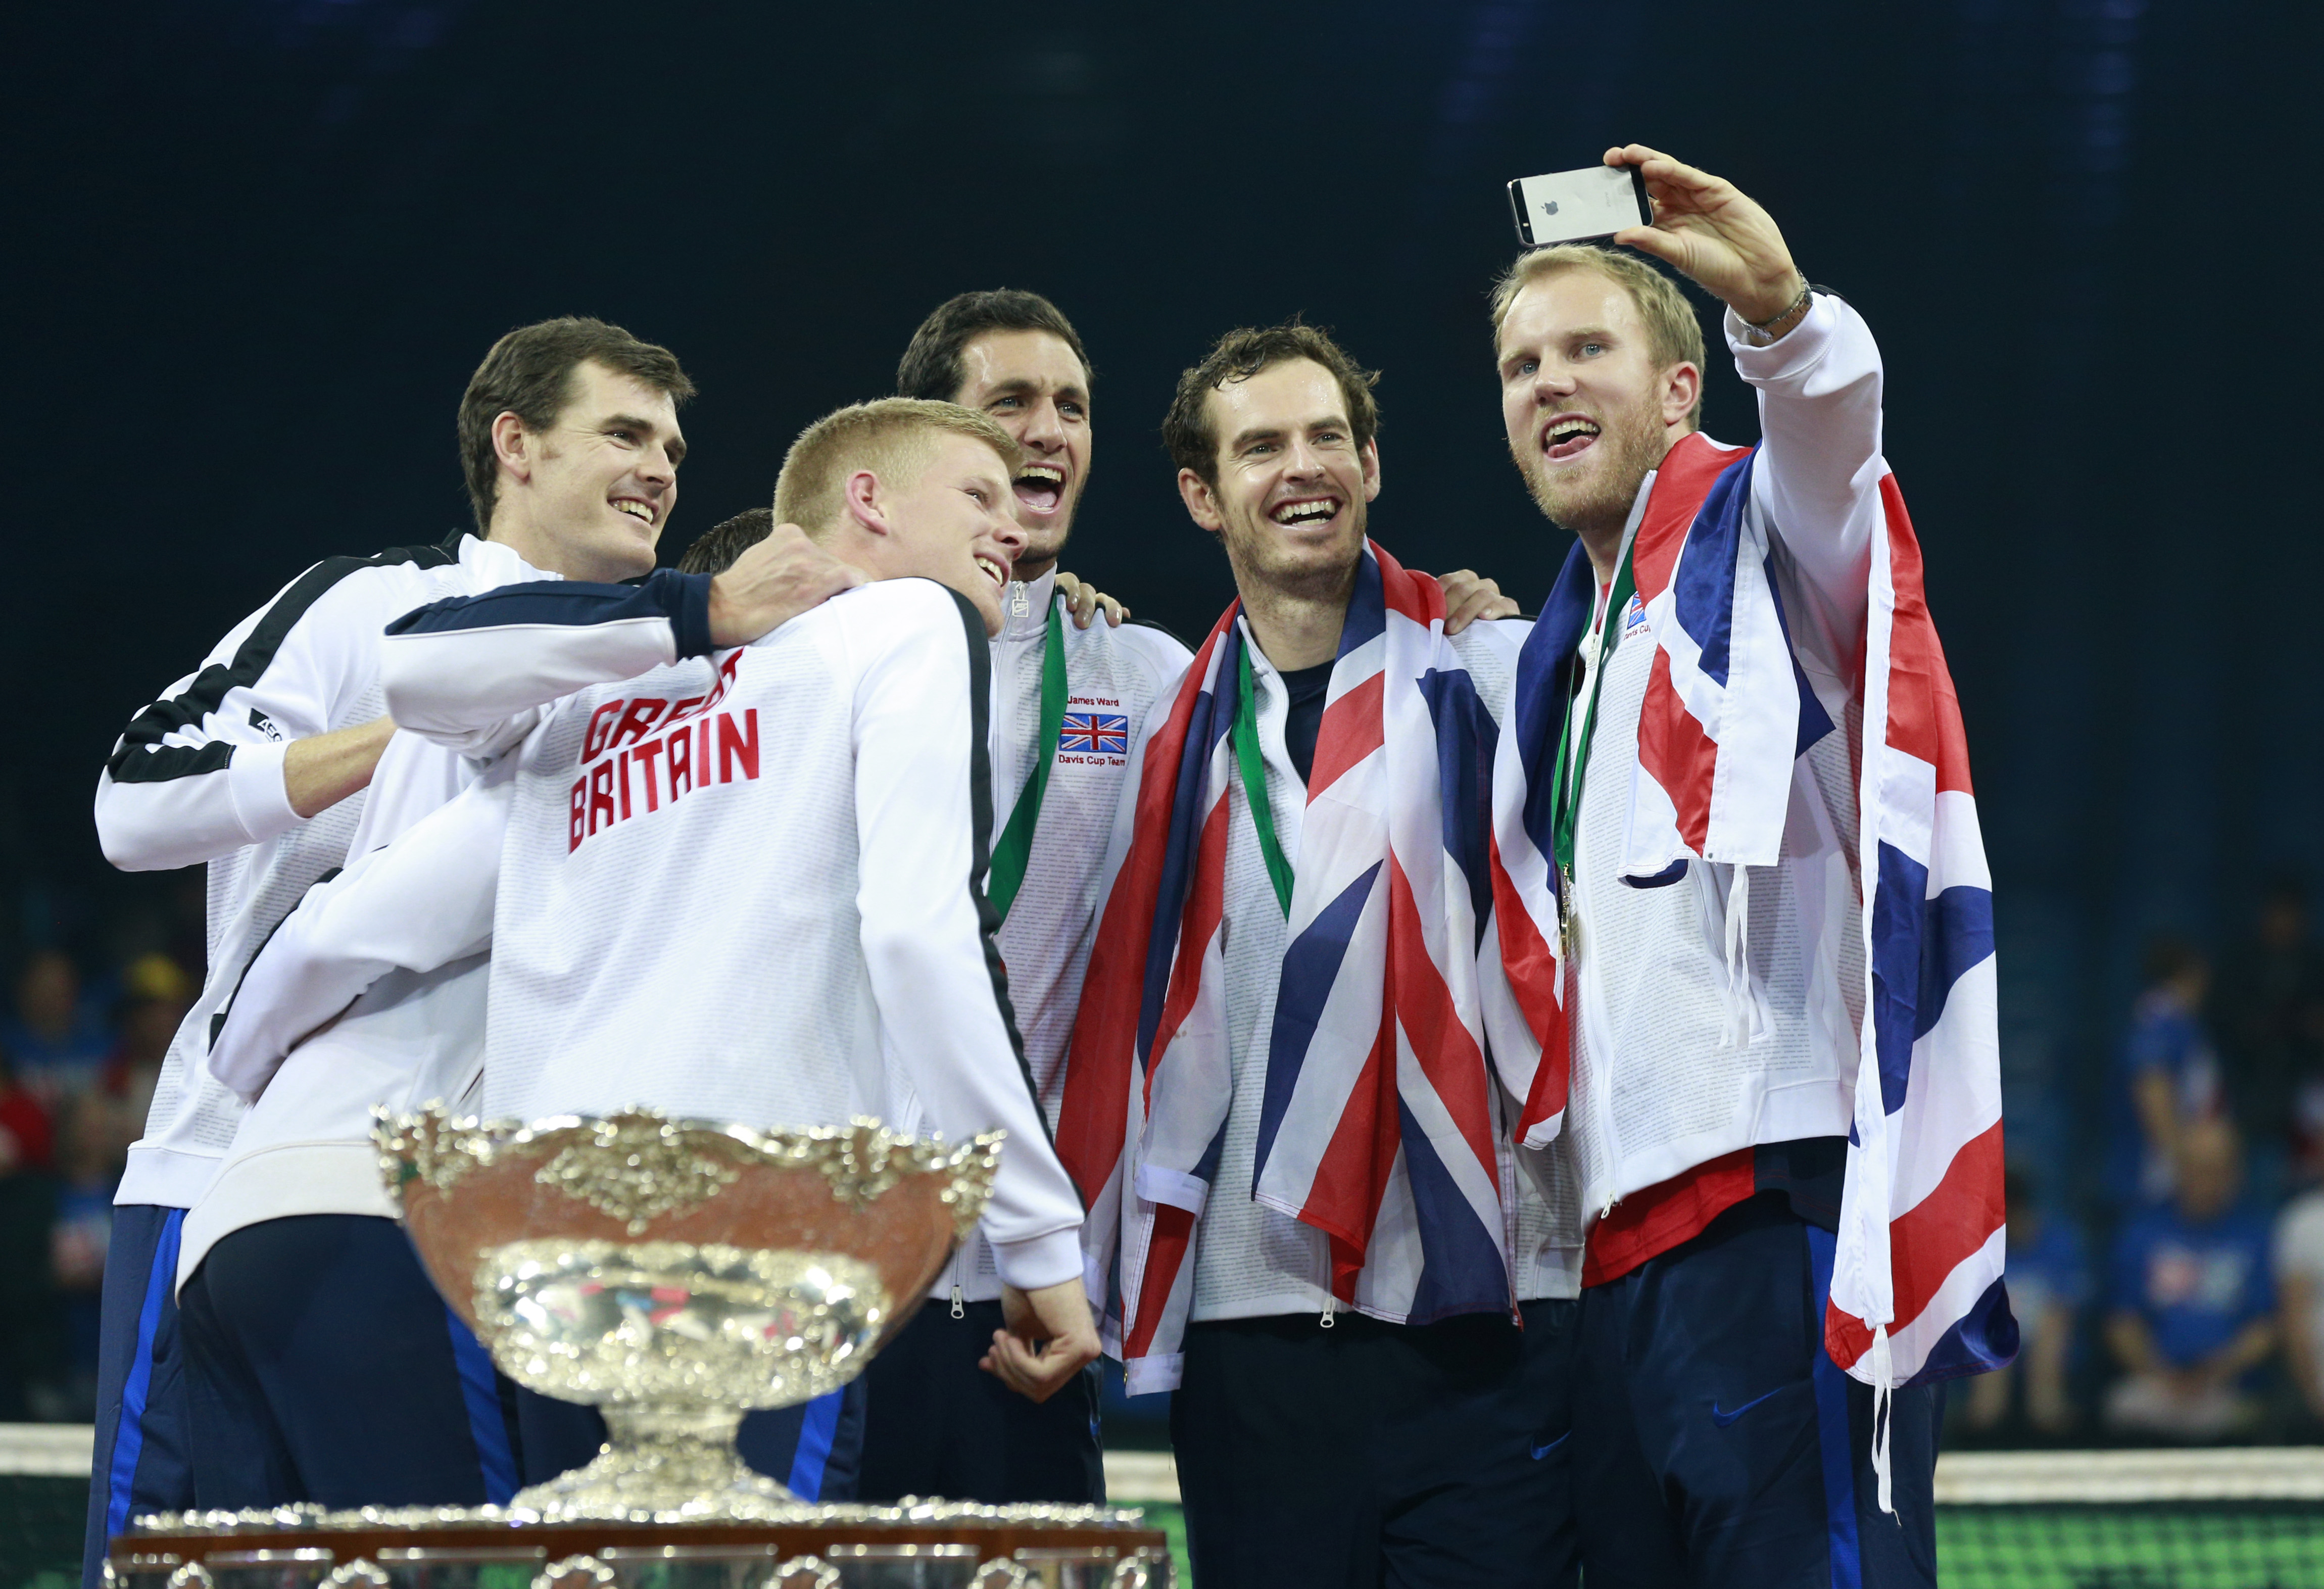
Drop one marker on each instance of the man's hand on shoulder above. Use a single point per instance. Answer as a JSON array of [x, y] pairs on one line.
[[1711, 231], [772, 583], [1083, 601], [1469, 597], [1050, 1338]]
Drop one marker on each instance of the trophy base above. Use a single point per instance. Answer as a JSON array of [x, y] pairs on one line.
[[666, 1463]]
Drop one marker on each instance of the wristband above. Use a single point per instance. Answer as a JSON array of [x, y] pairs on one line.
[[1762, 337]]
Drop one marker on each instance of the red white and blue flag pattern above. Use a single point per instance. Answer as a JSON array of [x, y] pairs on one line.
[[1916, 1291], [1378, 1125], [1094, 734]]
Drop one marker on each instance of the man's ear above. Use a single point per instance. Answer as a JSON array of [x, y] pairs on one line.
[[865, 501], [1371, 470], [1682, 388], [513, 445], [1202, 503]]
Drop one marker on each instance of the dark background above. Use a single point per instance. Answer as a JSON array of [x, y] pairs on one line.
[[256, 247]]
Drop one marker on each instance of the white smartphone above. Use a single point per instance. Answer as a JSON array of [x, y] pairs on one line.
[[1570, 207]]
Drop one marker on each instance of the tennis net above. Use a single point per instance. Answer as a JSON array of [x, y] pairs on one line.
[[2131, 1520]]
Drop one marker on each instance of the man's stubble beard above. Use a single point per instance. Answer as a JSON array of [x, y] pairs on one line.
[[1639, 441], [1247, 548]]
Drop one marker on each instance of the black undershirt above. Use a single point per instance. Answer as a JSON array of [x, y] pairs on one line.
[[1306, 687]]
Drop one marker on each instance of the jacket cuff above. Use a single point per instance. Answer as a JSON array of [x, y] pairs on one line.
[[253, 783], [1050, 1260], [686, 598], [1789, 355]]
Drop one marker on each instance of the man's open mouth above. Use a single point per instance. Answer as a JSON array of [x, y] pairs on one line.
[[997, 572], [634, 508], [1041, 487], [1568, 438], [1303, 511]]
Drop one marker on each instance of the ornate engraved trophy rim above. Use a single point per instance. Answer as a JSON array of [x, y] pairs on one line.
[[911, 1511], [861, 1159], [781, 1142]]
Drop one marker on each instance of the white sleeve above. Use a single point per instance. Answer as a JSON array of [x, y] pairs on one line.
[[199, 774], [923, 805], [414, 905], [472, 673], [1818, 478]]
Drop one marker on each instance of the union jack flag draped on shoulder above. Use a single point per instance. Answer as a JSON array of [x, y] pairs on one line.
[[1379, 1125], [1916, 1289]]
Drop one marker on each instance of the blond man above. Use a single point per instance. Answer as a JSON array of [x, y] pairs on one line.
[[747, 884]]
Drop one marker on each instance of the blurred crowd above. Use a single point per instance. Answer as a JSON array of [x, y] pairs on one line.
[[2174, 1288], [78, 1059], [2169, 1284]]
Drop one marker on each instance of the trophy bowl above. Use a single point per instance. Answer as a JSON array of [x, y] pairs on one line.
[[676, 1274]]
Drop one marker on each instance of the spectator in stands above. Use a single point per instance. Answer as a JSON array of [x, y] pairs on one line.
[[2267, 1009], [59, 1043], [24, 1123], [27, 1208], [154, 993], [2049, 1284], [2194, 1308], [2299, 1290], [2168, 1077], [90, 1154]]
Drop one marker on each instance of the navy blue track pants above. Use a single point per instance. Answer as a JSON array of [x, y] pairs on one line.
[[1413, 1457], [938, 1425], [141, 1458], [1716, 1444], [322, 1366]]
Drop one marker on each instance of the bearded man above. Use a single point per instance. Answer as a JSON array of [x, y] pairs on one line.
[[1732, 724], [1307, 1219]]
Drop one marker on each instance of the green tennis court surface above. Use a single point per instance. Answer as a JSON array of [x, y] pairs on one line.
[[2121, 1520]]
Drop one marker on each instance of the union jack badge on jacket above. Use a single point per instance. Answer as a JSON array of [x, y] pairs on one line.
[[1916, 1289], [1377, 1126], [1094, 734]]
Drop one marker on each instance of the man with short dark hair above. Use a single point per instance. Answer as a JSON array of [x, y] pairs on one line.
[[274, 763], [1067, 701], [1306, 1220], [1743, 932]]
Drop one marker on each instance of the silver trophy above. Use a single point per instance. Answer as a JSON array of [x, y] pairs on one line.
[[676, 1274]]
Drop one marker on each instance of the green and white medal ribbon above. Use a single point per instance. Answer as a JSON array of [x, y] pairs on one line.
[[1015, 847], [1254, 786]]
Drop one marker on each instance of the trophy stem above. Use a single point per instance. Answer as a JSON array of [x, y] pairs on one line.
[[663, 1458]]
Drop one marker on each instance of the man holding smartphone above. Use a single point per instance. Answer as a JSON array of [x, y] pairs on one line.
[[1680, 944]]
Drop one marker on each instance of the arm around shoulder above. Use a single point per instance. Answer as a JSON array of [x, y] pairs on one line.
[[472, 671]]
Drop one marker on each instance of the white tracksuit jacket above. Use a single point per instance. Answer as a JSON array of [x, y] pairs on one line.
[[197, 776], [744, 887]]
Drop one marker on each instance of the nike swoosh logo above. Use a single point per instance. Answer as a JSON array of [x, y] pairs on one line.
[[1541, 1451], [1723, 1418]]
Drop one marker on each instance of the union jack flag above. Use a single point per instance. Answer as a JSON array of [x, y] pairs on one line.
[[1378, 1125], [1916, 1291], [1097, 733]]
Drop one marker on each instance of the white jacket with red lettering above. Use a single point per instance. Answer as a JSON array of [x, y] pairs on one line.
[[745, 887]]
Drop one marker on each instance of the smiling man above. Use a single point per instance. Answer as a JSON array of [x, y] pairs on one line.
[[817, 801], [258, 763], [1306, 1220], [1067, 702], [1734, 682]]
